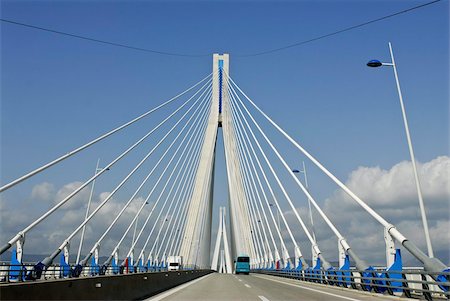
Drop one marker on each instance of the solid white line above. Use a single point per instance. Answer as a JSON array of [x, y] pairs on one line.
[[176, 289], [263, 298], [314, 290], [247, 285]]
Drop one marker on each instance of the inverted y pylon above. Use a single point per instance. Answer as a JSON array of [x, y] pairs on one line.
[[196, 241], [225, 257]]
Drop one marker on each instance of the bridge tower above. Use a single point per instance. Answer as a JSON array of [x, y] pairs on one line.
[[196, 241]]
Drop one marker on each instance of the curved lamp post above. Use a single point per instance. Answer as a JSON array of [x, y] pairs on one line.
[[377, 63], [314, 256], [97, 169], [309, 201]]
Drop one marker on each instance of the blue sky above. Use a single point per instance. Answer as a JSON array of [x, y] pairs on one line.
[[58, 92]]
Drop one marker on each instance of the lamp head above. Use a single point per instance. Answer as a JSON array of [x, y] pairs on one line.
[[374, 63]]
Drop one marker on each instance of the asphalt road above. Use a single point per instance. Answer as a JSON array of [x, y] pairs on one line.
[[259, 287]]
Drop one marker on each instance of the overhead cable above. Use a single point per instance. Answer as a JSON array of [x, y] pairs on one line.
[[300, 43], [101, 41]]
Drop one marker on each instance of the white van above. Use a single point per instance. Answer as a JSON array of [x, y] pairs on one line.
[[174, 263]]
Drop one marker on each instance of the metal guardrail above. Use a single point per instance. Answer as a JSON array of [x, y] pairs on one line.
[[28, 272], [408, 283]]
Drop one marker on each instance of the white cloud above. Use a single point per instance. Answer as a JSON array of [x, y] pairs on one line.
[[392, 193], [51, 232], [44, 192], [77, 201]]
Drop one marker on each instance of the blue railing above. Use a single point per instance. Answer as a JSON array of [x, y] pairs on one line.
[[407, 282]]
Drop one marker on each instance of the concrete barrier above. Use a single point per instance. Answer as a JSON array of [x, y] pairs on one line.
[[117, 287]]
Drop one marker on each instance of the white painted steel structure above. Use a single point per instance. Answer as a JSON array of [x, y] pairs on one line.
[[179, 190]]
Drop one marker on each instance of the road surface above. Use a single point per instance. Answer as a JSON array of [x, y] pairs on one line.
[[259, 288]]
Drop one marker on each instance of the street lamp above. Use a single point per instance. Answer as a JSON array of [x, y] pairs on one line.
[[309, 201], [377, 63], [135, 225], [97, 169], [278, 215]]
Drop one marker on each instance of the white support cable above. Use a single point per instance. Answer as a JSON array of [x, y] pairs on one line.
[[54, 208], [254, 228], [411, 154], [193, 228], [250, 197], [176, 195], [176, 242], [340, 237], [264, 195], [73, 152], [249, 174], [140, 209], [180, 200], [282, 187], [255, 234], [67, 240], [297, 248], [142, 206], [240, 226], [174, 219], [255, 249], [278, 180], [177, 245], [199, 118], [200, 214], [217, 244], [285, 252], [186, 160], [314, 244], [176, 229], [182, 221], [134, 219], [244, 143], [144, 181], [391, 228]]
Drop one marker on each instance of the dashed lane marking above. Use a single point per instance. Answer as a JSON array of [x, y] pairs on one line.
[[314, 290]]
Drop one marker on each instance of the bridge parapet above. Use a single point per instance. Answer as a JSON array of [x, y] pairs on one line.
[[410, 282], [107, 287]]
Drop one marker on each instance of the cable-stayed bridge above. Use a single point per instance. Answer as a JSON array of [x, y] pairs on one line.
[[176, 230]]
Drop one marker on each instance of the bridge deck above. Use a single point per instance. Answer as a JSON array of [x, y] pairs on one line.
[[258, 287]]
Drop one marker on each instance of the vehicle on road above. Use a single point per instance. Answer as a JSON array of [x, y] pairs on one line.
[[174, 263], [242, 265]]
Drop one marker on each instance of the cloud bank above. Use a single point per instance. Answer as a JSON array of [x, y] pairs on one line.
[[391, 193]]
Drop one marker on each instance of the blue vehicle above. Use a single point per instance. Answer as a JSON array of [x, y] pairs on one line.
[[242, 265]]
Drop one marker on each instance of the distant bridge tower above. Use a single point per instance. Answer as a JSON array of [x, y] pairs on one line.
[[195, 247]]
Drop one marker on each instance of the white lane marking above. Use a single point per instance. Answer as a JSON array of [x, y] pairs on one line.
[[247, 285], [176, 289], [311, 289], [240, 280], [263, 298]]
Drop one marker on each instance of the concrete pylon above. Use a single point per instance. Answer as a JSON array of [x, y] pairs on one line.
[[196, 240], [225, 257]]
